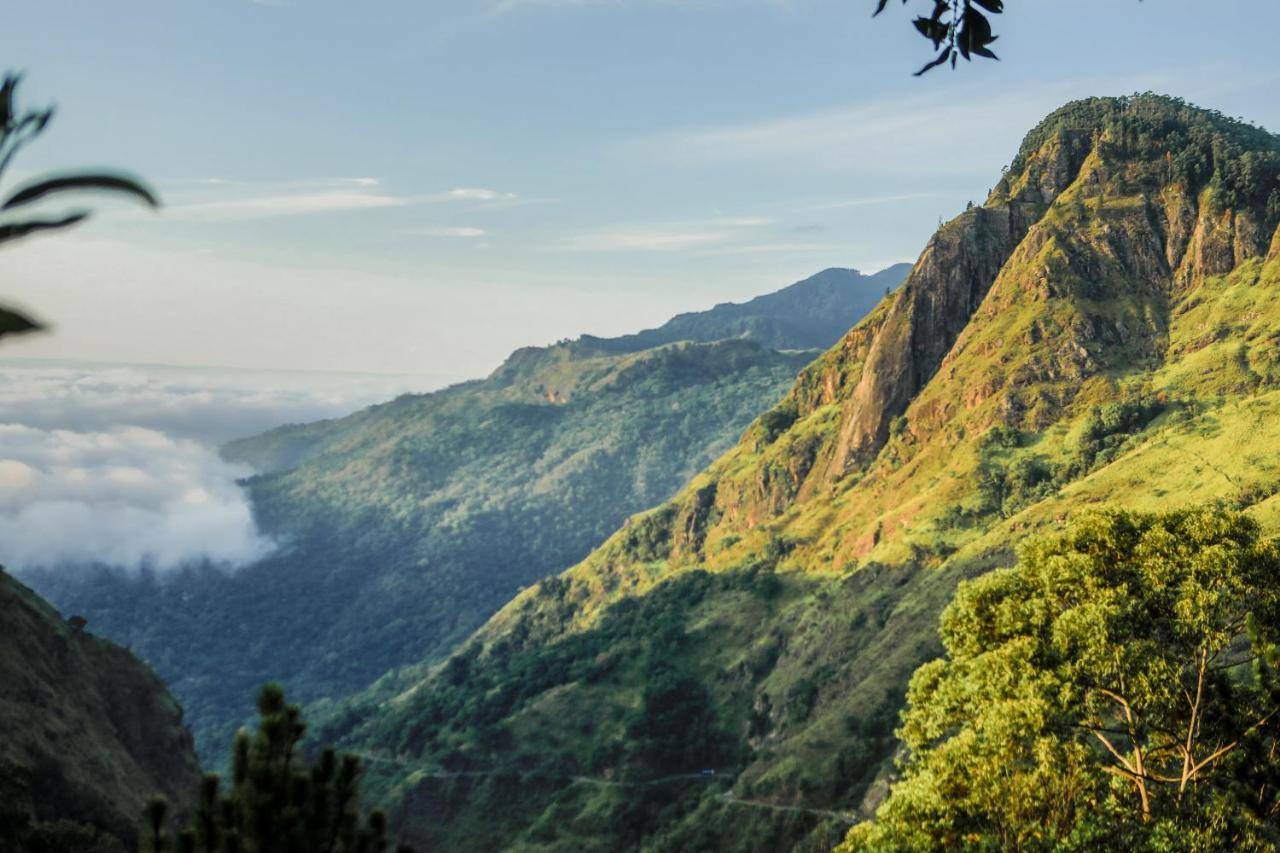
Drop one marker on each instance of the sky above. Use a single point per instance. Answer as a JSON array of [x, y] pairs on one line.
[[421, 186]]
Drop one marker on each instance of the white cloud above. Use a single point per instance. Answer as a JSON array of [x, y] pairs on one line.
[[871, 201], [126, 498], [454, 232], [115, 464], [668, 237], [774, 248], [293, 204], [473, 194]]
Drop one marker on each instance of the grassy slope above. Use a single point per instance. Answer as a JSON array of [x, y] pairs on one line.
[[790, 605]]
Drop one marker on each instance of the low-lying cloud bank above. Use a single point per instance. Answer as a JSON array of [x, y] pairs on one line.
[[127, 498], [118, 465], [209, 405]]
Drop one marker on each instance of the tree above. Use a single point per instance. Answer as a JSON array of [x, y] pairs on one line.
[[17, 128], [277, 802], [1116, 689]]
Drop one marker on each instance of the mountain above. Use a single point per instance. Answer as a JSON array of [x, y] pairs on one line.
[[90, 734], [403, 527], [810, 314], [725, 672]]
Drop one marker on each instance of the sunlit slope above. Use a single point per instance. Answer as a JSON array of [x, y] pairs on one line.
[[1102, 329]]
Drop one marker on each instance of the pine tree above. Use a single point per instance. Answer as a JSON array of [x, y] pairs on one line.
[[277, 802]]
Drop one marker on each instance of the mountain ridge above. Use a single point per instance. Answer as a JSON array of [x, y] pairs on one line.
[[399, 521], [1104, 317]]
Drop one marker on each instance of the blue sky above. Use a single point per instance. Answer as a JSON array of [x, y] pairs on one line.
[[420, 187]]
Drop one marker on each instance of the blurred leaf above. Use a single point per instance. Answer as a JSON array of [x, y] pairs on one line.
[[956, 29], [79, 182], [14, 230], [941, 58], [15, 323], [6, 98]]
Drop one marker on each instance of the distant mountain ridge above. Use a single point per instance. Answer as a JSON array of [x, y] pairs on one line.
[[405, 525], [810, 314]]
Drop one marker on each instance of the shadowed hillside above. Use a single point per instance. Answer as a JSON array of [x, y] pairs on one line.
[[91, 734]]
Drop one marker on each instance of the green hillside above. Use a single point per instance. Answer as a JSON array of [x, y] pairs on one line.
[[727, 670], [405, 526], [90, 734]]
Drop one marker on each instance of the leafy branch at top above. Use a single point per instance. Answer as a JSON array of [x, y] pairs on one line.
[[957, 28]]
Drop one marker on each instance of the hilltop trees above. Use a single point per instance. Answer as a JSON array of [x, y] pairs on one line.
[[277, 802], [1118, 688]]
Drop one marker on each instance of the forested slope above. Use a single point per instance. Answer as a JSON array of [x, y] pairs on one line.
[[404, 526]]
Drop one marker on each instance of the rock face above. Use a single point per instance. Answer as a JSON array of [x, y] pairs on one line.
[[946, 286], [88, 733]]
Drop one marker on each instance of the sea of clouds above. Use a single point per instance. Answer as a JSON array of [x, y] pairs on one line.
[[117, 465]]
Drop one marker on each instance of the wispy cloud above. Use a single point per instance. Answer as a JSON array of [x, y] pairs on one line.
[[773, 248], [870, 201], [458, 231], [889, 137], [668, 237], [474, 194], [290, 204]]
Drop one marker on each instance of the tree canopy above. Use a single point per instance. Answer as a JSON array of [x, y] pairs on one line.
[[277, 802], [1116, 689]]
